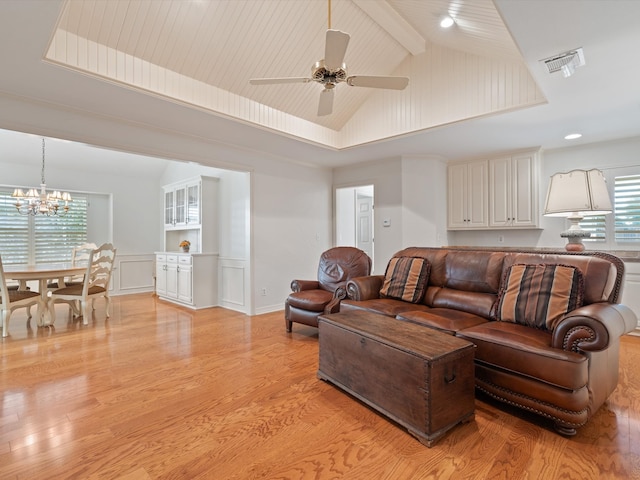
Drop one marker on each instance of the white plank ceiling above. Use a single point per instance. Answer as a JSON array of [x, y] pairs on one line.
[[203, 53]]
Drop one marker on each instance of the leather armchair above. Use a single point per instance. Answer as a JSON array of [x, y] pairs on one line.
[[311, 298]]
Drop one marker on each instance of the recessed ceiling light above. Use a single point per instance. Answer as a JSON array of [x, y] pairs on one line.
[[446, 21], [572, 136]]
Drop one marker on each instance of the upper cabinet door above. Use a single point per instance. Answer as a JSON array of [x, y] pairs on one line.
[[477, 197], [525, 207], [181, 206], [457, 196], [193, 204], [513, 191], [169, 218], [500, 192], [467, 195]]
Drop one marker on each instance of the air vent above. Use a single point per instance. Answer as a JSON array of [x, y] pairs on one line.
[[566, 62]]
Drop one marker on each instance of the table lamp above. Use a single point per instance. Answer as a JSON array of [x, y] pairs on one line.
[[574, 195]]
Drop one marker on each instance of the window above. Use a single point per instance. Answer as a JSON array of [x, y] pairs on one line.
[[627, 208], [622, 228], [41, 239]]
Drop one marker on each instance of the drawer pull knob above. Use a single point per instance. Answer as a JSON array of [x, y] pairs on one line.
[[450, 379], [362, 340]]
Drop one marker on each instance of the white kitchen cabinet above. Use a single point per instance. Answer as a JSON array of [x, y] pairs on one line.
[[167, 275], [494, 194], [467, 195], [186, 279], [513, 191]]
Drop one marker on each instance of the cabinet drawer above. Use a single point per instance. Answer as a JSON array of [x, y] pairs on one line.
[[184, 259], [161, 258], [172, 258]]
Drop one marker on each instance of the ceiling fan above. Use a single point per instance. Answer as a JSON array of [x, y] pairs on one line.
[[332, 70]]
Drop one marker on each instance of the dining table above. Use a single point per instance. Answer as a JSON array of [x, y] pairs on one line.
[[43, 273]]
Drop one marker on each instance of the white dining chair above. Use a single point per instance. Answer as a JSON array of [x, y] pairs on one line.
[[11, 299], [95, 284], [79, 256]]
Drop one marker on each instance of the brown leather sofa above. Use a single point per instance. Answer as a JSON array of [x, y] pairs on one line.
[[564, 373]]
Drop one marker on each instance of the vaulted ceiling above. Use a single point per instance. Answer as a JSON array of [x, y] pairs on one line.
[[203, 53], [128, 74]]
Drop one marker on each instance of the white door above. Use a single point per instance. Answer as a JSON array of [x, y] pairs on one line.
[[364, 224], [354, 225]]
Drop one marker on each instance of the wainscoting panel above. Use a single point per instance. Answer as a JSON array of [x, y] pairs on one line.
[[133, 274], [232, 284]]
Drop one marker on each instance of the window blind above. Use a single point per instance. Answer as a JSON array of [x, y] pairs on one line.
[[596, 224], [627, 208], [40, 239], [14, 232]]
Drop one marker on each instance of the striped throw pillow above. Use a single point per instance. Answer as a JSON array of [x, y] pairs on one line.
[[539, 295], [406, 279]]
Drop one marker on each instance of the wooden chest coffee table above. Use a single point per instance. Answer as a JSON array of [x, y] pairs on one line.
[[419, 377]]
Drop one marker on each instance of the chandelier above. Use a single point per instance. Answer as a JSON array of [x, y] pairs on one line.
[[40, 202]]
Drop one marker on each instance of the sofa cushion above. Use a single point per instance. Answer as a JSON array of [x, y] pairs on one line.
[[405, 279], [312, 300], [539, 295], [527, 351]]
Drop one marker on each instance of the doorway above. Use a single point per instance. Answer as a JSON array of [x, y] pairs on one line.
[[354, 218]]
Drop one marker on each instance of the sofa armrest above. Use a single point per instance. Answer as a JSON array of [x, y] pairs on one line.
[[300, 285], [593, 327], [364, 288]]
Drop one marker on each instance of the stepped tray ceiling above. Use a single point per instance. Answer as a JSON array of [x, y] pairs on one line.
[[202, 53]]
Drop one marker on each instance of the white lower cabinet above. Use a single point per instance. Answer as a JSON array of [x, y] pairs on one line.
[[187, 279]]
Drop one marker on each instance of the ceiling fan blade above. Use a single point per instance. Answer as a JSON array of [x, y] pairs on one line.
[[393, 83], [273, 81], [325, 107], [335, 48]]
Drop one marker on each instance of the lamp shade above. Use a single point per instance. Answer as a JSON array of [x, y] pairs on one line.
[[582, 192]]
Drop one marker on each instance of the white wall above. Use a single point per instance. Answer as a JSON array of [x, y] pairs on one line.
[[345, 212], [424, 201], [291, 225], [409, 192]]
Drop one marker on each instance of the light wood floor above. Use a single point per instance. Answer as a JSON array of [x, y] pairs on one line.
[[160, 392]]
